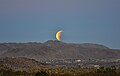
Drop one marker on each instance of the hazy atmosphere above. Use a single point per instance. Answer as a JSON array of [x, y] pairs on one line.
[[82, 21]]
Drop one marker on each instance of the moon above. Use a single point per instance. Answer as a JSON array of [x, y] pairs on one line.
[[58, 35]]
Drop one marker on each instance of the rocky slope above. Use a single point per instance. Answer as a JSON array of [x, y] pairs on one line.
[[51, 50], [20, 64]]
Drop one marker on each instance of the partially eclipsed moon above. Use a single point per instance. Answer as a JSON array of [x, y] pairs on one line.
[[58, 35]]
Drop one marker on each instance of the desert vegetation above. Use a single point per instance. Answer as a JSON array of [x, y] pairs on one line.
[[59, 71]]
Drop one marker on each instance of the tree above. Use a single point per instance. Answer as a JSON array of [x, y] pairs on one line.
[[42, 73]]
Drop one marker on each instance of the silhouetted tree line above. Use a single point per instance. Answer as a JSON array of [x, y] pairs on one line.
[[112, 71]]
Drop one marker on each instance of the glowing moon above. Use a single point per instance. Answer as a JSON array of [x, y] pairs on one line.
[[58, 35]]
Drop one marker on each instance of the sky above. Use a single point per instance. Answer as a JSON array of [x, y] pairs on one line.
[[83, 21]]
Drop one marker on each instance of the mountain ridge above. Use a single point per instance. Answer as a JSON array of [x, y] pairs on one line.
[[53, 49]]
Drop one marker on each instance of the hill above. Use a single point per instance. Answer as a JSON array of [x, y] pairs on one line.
[[20, 64], [52, 50]]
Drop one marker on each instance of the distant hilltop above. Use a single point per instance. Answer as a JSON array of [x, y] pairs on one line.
[[52, 50]]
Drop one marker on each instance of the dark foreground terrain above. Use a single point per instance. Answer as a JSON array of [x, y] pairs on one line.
[[29, 67], [55, 58]]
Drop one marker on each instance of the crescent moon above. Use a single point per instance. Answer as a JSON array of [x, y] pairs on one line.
[[58, 35]]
